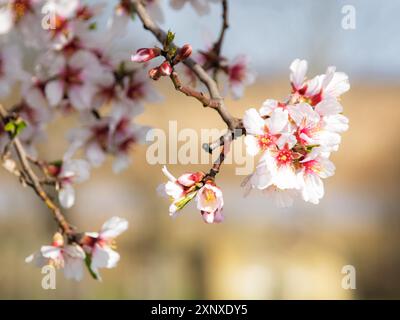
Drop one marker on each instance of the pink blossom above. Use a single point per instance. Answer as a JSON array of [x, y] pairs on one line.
[[210, 203], [101, 245], [70, 258]]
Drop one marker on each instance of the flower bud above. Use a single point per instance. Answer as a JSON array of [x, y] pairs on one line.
[[58, 240], [145, 54], [183, 53], [165, 68], [190, 179], [154, 74]]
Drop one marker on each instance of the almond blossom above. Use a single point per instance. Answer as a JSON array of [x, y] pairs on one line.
[[296, 137], [181, 190], [70, 258], [100, 246], [188, 186], [114, 135], [210, 203], [330, 85], [239, 76], [19, 13], [67, 173], [75, 78]]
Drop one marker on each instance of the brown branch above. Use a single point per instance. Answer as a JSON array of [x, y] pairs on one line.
[[190, 92], [201, 74], [216, 50], [34, 182], [225, 25]]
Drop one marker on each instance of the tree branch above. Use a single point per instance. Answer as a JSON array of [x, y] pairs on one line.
[[202, 75], [34, 182]]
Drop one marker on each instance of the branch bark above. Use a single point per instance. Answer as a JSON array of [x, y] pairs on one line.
[[202, 75], [34, 182]]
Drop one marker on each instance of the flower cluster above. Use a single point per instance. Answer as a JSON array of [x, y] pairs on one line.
[[196, 185], [295, 138], [76, 73], [96, 250]]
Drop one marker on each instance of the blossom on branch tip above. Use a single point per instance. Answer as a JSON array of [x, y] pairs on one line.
[[210, 202], [100, 246], [181, 190], [70, 258], [67, 173], [296, 137]]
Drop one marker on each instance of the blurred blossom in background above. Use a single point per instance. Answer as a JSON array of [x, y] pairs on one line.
[[259, 252]]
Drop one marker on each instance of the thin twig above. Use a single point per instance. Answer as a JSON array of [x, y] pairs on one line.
[[203, 76], [34, 182], [190, 92]]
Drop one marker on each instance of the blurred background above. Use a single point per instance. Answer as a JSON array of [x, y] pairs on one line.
[[259, 252]]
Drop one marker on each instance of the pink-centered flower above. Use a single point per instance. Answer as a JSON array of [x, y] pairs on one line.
[[100, 246], [75, 78], [181, 190], [296, 137], [330, 85], [210, 202], [70, 258], [239, 76], [115, 135], [69, 172], [262, 134]]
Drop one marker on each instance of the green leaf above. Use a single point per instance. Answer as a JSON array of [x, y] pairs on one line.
[[10, 127], [172, 52], [311, 146], [185, 200], [15, 127], [170, 38], [88, 262], [21, 125], [93, 26]]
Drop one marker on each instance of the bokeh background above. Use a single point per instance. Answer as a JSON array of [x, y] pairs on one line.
[[259, 252]]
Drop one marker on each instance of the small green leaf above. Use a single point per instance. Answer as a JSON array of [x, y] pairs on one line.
[[21, 125], [185, 200], [311, 146], [88, 262], [10, 127], [172, 52], [170, 38], [93, 26], [15, 127]]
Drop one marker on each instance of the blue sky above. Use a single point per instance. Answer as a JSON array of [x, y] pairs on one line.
[[274, 32]]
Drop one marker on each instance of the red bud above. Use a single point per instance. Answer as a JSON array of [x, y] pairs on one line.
[[165, 68], [185, 51], [154, 74], [145, 54]]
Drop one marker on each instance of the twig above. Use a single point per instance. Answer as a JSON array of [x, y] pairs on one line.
[[225, 25], [206, 101], [34, 182], [203, 76]]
